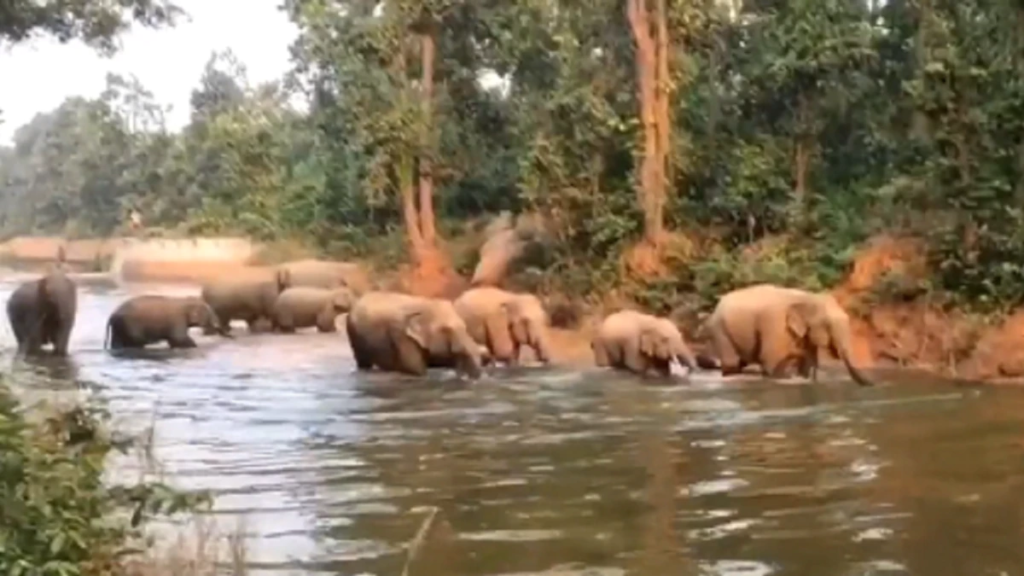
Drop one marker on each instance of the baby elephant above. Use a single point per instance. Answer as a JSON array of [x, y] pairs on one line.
[[145, 320], [305, 306], [638, 342]]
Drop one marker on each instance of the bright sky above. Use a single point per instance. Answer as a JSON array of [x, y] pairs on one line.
[[39, 75]]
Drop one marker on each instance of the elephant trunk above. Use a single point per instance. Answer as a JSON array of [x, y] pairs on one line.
[[686, 358], [842, 348], [541, 344], [469, 357]]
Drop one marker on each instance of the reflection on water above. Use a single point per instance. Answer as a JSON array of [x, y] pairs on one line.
[[546, 471]]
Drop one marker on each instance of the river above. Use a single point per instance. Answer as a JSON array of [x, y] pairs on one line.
[[555, 472]]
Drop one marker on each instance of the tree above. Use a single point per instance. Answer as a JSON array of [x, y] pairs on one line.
[[96, 23], [650, 32]]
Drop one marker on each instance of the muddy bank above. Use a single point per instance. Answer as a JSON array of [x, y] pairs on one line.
[[888, 332]]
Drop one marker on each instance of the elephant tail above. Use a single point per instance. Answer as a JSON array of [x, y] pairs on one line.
[[106, 337]]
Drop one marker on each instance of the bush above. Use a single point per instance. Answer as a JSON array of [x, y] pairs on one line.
[[58, 516]]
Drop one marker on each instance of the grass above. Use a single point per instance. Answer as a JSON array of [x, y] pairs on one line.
[[196, 548]]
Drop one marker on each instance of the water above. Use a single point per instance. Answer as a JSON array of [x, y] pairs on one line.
[[552, 472]]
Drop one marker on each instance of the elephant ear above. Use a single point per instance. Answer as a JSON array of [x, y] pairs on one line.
[[417, 327], [798, 318], [342, 300], [649, 343], [516, 321]]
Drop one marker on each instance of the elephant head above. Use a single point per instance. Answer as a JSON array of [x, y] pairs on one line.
[[528, 323], [341, 301], [199, 314], [441, 337], [820, 322], [661, 339]]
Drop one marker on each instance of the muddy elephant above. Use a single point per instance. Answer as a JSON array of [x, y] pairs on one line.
[[149, 319], [504, 322], [43, 312], [247, 299], [327, 274], [303, 307], [638, 342], [401, 333], [778, 328]]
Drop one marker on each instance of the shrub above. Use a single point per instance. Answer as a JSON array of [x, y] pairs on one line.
[[58, 516]]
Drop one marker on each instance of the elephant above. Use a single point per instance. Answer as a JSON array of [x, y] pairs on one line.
[[43, 312], [505, 321], [401, 333], [778, 327], [327, 274], [148, 319], [303, 306], [638, 342], [251, 300]]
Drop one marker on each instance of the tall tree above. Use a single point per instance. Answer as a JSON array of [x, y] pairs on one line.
[[649, 26]]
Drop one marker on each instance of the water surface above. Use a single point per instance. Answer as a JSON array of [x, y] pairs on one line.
[[553, 472]]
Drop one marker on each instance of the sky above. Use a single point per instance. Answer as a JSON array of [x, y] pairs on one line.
[[167, 62]]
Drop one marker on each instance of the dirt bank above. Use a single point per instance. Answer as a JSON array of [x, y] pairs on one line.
[[898, 327], [890, 329]]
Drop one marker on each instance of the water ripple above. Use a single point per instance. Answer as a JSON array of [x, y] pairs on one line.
[[547, 472]]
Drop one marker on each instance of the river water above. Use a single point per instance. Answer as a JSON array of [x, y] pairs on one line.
[[557, 472]]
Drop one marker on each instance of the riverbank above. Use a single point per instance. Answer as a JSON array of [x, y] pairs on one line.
[[895, 324]]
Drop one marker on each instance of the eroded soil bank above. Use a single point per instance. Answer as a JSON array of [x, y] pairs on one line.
[[888, 331]]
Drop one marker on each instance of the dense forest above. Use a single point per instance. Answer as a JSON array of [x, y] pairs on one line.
[[692, 145]]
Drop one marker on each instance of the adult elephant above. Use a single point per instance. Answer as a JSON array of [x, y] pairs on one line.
[[402, 333], [43, 312], [505, 321], [778, 328], [303, 307], [149, 319], [327, 274], [247, 299], [638, 342]]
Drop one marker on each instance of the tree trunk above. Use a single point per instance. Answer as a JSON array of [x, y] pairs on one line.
[[426, 174], [920, 125], [652, 51], [1019, 60], [802, 147]]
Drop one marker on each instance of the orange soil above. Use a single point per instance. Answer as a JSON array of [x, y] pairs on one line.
[[921, 335], [915, 334]]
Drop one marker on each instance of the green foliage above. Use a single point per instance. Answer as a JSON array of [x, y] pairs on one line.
[[59, 517], [897, 117], [95, 23]]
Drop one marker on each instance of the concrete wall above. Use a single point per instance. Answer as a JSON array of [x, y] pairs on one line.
[[136, 259], [180, 260]]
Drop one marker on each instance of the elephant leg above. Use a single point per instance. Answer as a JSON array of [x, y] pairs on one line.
[[633, 359], [225, 322], [61, 339], [326, 323], [600, 354], [516, 351], [179, 338], [781, 369], [116, 339], [181, 341], [364, 357], [257, 324], [728, 357]]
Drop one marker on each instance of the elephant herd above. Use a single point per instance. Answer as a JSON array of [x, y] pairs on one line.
[[778, 328]]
